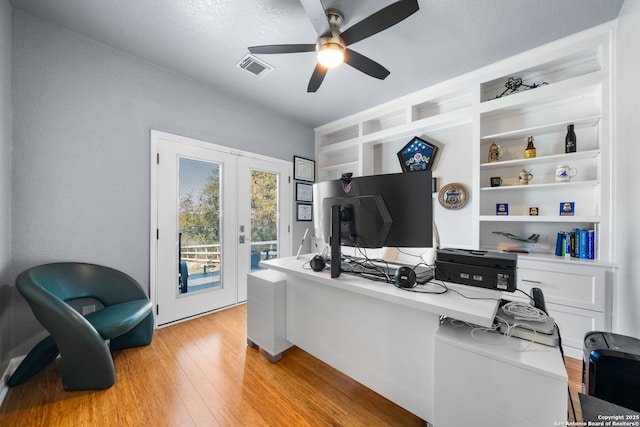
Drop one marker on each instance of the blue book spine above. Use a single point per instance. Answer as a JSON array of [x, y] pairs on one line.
[[567, 244], [583, 243], [576, 231], [559, 243], [591, 244]]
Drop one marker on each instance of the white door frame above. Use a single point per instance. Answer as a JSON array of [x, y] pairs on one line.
[[156, 137]]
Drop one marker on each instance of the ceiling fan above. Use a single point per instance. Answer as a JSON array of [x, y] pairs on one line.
[[331, 45]]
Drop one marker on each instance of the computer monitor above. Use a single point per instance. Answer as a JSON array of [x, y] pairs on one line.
[[392, 210]]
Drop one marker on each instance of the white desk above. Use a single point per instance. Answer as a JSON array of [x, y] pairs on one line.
[[490, 381], [377, 334]]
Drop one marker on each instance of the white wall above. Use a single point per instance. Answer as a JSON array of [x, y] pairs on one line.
[[82, 117], [5, 177], [627, 142]]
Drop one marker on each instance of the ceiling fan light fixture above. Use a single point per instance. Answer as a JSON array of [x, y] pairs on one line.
[[331, 54], [331, 44]]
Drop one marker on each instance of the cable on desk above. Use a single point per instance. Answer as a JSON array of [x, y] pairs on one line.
[[524, 311], [441, 283], [421, 288], [495, 329], [366, 267], [512, 327]]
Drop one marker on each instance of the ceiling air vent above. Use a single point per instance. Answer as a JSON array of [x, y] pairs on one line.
[[255, 66]]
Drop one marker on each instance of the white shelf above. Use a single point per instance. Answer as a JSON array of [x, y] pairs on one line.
[[540, 218], [535, 256], [543, 129], [340, 146], [571, 88], [555, 158], [354, 164], [549, 185], [429, 124]]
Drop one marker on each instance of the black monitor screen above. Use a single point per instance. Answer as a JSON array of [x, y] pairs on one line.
[[393, 210]]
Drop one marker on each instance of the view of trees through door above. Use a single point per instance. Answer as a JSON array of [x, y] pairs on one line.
[[264, 217], [200, 223]]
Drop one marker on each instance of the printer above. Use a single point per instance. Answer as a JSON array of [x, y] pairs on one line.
[[484, 269]]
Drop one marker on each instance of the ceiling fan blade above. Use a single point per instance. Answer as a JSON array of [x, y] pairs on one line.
[[282, 48], [366, 65], [381, 20], [316, 78], [318, 17]]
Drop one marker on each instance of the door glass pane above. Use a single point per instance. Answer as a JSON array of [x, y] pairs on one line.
[[264, 217], [199, 225]]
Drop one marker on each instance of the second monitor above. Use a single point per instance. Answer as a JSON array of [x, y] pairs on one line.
[[392, 210]]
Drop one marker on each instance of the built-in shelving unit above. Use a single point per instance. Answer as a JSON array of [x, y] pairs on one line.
[[575, 91], [466, 115]]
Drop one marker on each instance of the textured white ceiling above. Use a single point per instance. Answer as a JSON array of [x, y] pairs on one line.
[[204, 39]]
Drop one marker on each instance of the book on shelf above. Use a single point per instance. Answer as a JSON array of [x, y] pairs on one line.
[[577, 243]]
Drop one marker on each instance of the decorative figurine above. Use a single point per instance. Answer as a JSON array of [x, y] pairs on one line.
[[530, 151], [495, 153], [513, 84], [531, 239], [524, 177]]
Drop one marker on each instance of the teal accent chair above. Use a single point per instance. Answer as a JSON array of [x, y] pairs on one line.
[[126, 321]]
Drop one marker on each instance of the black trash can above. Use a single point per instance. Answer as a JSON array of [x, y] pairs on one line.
[[611, 368]]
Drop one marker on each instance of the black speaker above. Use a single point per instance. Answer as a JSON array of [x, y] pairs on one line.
[[317, 263], [611, 368], [405, 277]]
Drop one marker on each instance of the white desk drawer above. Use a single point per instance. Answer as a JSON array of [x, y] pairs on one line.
[[571, 289]]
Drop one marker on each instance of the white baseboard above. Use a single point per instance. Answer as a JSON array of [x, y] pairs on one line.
[[11, 367]]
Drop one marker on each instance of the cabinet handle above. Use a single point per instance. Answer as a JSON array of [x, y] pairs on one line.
[[532, 281]]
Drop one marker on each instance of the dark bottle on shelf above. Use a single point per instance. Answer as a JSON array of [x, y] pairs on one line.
[[570, 140]]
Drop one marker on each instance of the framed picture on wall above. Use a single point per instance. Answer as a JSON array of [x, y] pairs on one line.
[[304, 169], [304, 192], [304, 212]]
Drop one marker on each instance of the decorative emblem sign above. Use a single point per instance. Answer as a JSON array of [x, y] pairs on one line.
[[453, 196]]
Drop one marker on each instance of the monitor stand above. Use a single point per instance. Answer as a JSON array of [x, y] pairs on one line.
[[334, 241]]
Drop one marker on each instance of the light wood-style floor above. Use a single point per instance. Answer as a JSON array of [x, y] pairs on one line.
[[202, 373]]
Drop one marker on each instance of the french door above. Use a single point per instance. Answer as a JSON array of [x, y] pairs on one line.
[[217, 214]]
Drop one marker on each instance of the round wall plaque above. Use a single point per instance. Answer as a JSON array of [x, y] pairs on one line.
[[453, 196]]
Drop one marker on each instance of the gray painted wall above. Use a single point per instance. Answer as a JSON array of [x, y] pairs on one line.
[[627, 112], [82, 117], [5, 180]]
